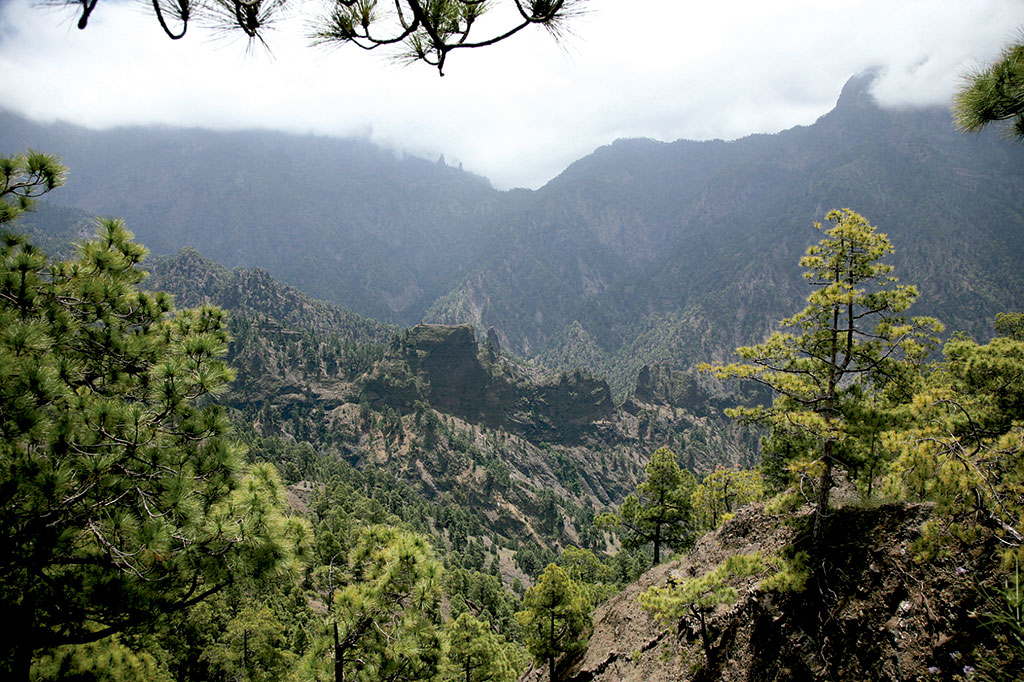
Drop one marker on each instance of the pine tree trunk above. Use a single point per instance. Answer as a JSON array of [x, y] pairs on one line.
[[551, 669], [821, 505], [339, 668], [705, 637]]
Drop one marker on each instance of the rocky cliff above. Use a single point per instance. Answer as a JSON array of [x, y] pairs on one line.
[[445, 367]]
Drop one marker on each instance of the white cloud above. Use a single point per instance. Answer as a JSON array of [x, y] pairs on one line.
[[518, 112]]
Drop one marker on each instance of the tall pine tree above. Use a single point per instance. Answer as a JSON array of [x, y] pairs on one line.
[[121, 496], [848, 342]]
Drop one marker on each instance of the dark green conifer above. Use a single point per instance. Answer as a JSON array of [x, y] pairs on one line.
[[121, 496]]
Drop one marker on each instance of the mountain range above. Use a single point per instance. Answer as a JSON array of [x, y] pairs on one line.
[[641, 253]]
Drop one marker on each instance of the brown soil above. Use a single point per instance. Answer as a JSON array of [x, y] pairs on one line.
[[870, 612]]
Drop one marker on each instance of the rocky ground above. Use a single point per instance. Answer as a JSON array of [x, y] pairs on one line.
[[874, 612]]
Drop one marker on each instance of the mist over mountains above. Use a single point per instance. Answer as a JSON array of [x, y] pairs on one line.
[[640, 253]]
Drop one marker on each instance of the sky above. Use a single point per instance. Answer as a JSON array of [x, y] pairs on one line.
[[519, 112]]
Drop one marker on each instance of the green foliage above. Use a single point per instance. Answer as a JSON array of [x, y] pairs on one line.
[[660, 512], [845, 344], [963, 443], [253, 647], [484, 596], [995, 93], [791, 572], [1011, 325], [248, 631], [25, 177], [107, 660], [596, 579], [1002, 613], [678, 599], [385, 619], [476, 654], [722, 492], [699, 596], [555, 618], [121, 496]]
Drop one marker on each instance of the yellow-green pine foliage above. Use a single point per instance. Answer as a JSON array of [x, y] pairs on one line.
[[849, 341], [677, 600], [555, 618], [791, 572], [700, 596], [107, 660], [596, 579], [385, 619], [722, 492], [964, 445]]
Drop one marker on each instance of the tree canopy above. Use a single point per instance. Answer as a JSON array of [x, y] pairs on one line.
[[698, 597], [962, 443], [847, 343], [555, 617], [660, 512], [122, 497], [722, 492], [418, 30], [475, 653], [386, 618]]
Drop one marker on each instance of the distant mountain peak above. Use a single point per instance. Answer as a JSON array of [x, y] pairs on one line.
[[857, 91]]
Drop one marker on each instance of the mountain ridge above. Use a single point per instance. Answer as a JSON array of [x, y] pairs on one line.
[[640, 253]]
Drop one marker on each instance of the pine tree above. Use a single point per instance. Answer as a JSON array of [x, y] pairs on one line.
[[385, 620], [722, 492], [121, 496], [660, 512], [963, 445], [475, 653], [849, 341], [699, 597], [555, 618]]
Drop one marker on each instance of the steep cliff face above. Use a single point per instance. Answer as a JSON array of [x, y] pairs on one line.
[[445, 367], [877, 614]]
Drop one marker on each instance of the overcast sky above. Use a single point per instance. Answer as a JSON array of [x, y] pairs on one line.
[[517, 113]]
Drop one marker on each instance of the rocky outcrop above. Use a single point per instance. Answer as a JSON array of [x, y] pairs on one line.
[[872, 612], [443, 365]]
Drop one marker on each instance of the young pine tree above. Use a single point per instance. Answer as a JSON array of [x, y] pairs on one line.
[[476, 653], [555, 618], [660, 512], [848, 342]]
